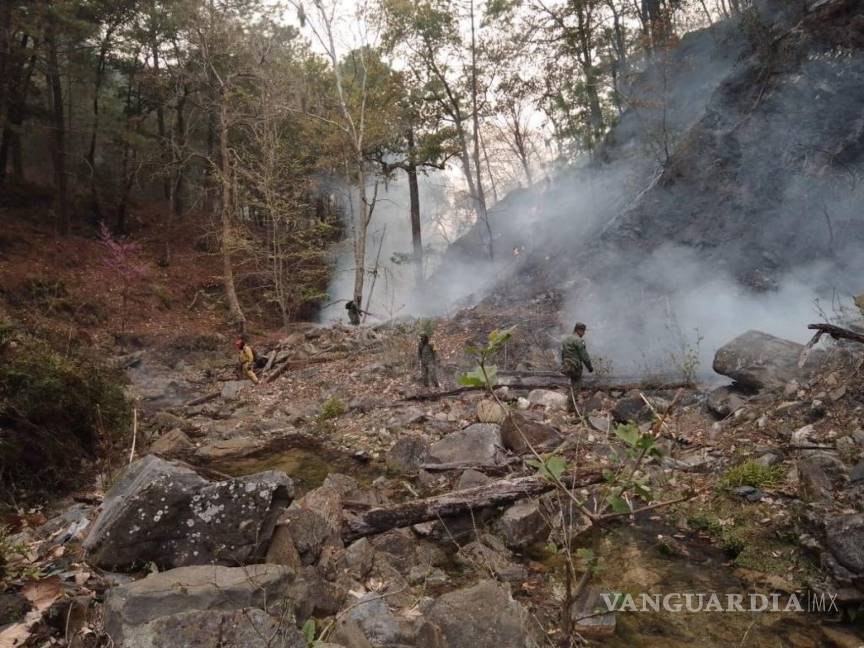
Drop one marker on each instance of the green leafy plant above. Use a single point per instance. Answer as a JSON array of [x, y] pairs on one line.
[[485, 375], [309, 632], [550, 466], [332, 408]]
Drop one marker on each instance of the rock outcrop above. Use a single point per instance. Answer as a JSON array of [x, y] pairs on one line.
[[167, 514]]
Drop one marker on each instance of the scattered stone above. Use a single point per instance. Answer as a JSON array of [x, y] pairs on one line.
[[522, 524], [769, 459], [194, 589], [549, 399], [308, 530], [756, 360], [790, 389], [489, 411], [846, 446], [490, 556], [749, 493], [359, 557], [844, 537], [174, 443], [818, 474], [857, 474], [837, 394], [801, 436], [523, 403], [519, 431], [378, 624], [408, 454], [232, 388], [631, 409], [601, 424], [483, 616], [478, 444], [471, 478], [167, 514], [724, 401], [588, 623]]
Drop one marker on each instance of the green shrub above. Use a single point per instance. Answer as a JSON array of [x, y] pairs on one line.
[[752, 473], [56, 410], [332, 408]]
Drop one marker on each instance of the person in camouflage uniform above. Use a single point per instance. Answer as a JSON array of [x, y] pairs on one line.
[[428, 362], [574, 355], [353, 313]]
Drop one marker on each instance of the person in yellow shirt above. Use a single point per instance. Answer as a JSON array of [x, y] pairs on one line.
[[247, 359]]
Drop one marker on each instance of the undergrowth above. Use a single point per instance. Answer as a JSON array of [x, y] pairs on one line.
[[752, 473], [57, 409]]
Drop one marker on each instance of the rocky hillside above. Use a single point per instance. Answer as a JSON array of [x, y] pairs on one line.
[[743, 169], [339, 501]]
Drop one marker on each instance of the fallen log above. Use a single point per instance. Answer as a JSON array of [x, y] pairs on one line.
[[206, 398], [836, 332], [648, 384], [381, 519], [300, 364]]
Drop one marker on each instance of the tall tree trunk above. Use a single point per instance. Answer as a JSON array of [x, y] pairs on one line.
[[481, 196], [18, 72], [160, 122], [414, 197], [94, 129], [227, 206], [58, 130], [361, 225], [179, 190]]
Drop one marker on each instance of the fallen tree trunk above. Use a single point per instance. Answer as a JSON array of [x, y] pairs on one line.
[[300, 364], [560, 382], [504, 491], [836, 332]]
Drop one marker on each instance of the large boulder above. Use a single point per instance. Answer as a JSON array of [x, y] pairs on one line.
[[166, 514], [518, 431], [756, 360], [478, 444], [844, 558], [131, 609], [483, 616]]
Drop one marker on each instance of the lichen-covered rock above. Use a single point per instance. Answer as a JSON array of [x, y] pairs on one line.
[[549, 399], [168, 515]]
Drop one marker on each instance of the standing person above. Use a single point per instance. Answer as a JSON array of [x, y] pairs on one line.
[[428, 362], [353, 313], [247, 359], [574, 355]]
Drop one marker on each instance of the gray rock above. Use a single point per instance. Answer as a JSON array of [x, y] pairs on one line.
[[478, 444], [490, 556], [408, 454], [584, 612], [308, 530], [249, 628], [724, 401], [378, 624], [483, 616], [166, 514], [549, 399], [359, 557], [522, 525], [769, 459], [631, 409], [749, 493], [756, 360], [818, 474], [232, 388], [173, 443], [844, 537], [195, 589], [857, 474], [519, 431], [471, 478]]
